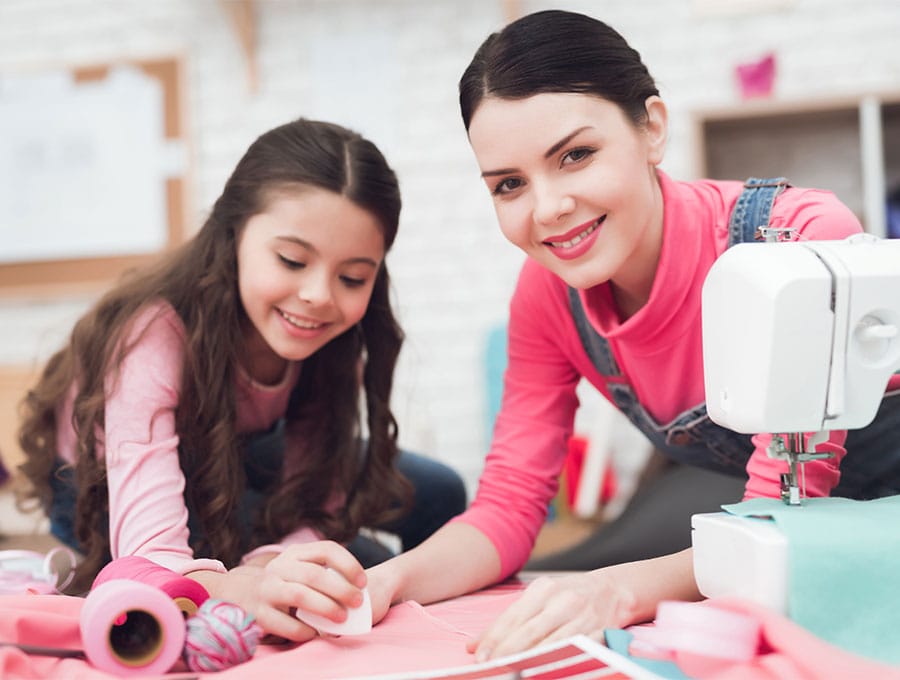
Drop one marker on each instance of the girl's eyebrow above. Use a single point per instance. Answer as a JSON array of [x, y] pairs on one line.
[[547, 154], [310, 247]]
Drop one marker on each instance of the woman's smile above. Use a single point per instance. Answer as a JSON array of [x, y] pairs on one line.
[[575, 242]]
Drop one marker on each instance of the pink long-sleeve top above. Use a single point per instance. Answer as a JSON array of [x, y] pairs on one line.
[[658, 351], [147, 513]]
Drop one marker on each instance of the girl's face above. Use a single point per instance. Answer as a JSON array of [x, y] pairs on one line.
[[573, 183], [306, 268]]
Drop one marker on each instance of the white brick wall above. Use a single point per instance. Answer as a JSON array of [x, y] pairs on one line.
[[389, 68]]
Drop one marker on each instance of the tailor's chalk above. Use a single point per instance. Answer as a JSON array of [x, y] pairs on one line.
[[358, 622]]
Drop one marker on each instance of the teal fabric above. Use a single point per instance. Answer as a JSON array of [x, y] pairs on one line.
[[844, 564], [618, 640]]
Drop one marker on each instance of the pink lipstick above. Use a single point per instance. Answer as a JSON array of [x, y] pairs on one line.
[[576, 242]]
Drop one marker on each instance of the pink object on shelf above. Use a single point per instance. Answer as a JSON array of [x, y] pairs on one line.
[[756, 79]]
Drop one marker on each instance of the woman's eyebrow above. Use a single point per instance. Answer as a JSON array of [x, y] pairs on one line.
[[565, 140]]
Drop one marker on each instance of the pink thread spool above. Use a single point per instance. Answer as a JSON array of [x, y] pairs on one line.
[[187, 594], [131, 628], [699, 637]]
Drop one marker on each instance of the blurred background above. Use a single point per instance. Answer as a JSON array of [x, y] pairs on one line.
[[121, 119]]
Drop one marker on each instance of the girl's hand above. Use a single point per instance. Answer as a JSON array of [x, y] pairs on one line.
[[552, 608], [320, 577]]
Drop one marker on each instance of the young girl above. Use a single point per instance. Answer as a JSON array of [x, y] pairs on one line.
[[206, 413], [569, 130]]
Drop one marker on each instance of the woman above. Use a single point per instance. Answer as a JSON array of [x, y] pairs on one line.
[[569, 131]]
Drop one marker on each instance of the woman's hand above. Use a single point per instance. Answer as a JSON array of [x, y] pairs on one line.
[[321, 577], [456, 559], [552, 608], [381, 590]]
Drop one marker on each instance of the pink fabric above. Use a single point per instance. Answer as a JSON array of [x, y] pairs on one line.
[[789, 652], [658, 350], [414, 638], [147, 513], [409, 638]]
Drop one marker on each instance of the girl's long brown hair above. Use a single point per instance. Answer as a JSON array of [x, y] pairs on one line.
[[199, 280]]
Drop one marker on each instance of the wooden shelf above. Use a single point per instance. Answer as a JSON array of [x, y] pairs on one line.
[[848, 144]]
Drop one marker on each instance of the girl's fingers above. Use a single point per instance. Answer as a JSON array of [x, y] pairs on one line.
[[302, 578], [327, 554], [284, 624], [287, 595], [344, 563]]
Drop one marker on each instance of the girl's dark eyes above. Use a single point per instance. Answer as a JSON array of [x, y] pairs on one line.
[[351, 282], [291, 264]]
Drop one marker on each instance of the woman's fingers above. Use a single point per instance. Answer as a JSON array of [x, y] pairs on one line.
[[522, 625], [551, 609]]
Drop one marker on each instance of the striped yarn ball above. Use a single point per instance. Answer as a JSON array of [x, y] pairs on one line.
[[218, 636]]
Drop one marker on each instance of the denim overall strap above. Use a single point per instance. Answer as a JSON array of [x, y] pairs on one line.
[[691, 437], [752, 209], [750, 213], [594, 344]]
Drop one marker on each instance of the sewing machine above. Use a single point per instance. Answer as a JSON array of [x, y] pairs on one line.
[[798, 337]]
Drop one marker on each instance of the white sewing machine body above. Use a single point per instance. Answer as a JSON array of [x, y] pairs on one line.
[[801, 336], [741, 557], [798, 337]]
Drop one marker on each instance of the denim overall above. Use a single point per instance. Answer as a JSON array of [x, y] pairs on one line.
[[872, 465]]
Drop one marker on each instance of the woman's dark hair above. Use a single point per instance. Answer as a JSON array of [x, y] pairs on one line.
[[557, 51], [199, 280]]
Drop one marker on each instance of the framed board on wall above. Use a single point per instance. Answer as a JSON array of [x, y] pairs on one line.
[[93, 164]]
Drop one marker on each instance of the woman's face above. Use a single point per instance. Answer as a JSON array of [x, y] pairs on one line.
[[573, 183], [306, 268]]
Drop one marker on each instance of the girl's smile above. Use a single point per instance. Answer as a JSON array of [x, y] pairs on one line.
[[302, 327]]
